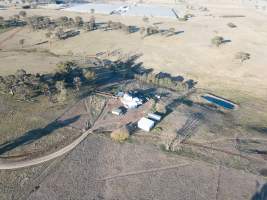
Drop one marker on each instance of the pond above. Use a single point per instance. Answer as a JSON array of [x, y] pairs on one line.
[[220, 102]]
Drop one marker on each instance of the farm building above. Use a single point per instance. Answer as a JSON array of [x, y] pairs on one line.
[[117, 111], [154, 116], [130, 101], [145, 124]]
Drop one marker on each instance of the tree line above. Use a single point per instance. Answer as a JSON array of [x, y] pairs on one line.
[[26, 86], [165, 80]]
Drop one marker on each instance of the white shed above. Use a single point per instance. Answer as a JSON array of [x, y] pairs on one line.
[[117, 111], [145, 124], [154, 116]]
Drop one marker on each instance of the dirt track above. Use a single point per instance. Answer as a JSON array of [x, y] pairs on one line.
[[5, 164]]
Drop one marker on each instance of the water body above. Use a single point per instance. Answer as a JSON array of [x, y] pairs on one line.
[[220, 102], [125, 9]]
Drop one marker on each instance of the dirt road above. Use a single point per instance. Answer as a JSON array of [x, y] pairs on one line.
[[5, 164]]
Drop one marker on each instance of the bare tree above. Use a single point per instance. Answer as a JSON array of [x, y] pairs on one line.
[[22, 13], [78, 21], [77, 82], [16, 17], [142, 30], [1, 20], [62, 95], [21, 42], [48, 35], [171, 31]]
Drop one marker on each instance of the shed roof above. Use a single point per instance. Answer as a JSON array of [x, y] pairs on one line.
[[145, 124]]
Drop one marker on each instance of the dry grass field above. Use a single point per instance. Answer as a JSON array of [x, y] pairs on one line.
[[102, 169]]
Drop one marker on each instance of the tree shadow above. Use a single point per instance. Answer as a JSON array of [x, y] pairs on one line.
[[262, 130], [175, 33], [157, 23], [134, 29], [35, 134], [261, 194], [226, 41]]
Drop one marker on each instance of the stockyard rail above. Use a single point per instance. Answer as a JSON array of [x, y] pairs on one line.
[[105, 94]]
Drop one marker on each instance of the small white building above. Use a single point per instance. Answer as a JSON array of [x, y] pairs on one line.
[[117, 111], [154, 116], [145, 124], [130, 102], [120, 94]]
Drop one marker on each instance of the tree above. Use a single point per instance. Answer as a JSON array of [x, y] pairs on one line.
[[242, 56], [126, 28], [64, 67], [59, 33], [23, 92], [48, 35], [20, 73], [120, 135], [22, 13], [89, 75], [78, 21], [92, 11], [2, 84], [16, 17], [71, 22], [142, 30], [91, 25], [152, 30], [2, 20], [21, 42], [109, 25], [231, 25], [171, 31], [61, 21], [217, 41], [77, 82], [62, 95]]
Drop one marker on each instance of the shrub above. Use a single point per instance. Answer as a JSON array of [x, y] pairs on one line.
[[120, 135], [89, 75], [231, 25], [64, 67]]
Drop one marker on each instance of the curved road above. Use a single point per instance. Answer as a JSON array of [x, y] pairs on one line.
[[4, 164]]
